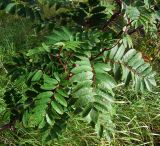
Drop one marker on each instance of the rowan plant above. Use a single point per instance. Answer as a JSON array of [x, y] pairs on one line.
[[86, 56]]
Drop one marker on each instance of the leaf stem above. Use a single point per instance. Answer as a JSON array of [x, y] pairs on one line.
[[103, 50], [9, 126], [114, 16], [60, 60]]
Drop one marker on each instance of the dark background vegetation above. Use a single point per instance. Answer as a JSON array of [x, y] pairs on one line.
[[138, 115]]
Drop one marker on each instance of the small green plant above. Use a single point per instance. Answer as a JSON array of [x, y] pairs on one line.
[[79, 66]]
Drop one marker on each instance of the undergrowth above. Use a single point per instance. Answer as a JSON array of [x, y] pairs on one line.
[[137, 121]]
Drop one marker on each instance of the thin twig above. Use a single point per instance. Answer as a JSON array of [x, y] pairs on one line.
[[126, 29], [105, 49], [113, 17], [134, 30], [128, 32], [60, 60], [9, 126], [119, 2]]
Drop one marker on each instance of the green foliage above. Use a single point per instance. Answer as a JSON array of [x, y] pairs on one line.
[[87, 14], [136, 120], [78, 68], [133, 67]]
